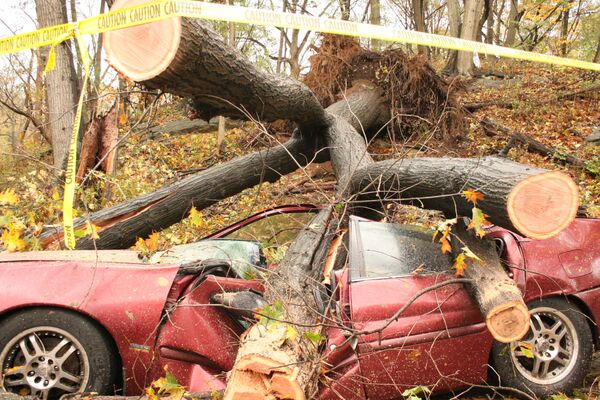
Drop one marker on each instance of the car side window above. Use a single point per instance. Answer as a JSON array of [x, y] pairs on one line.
[[384, 250], [275, 232]]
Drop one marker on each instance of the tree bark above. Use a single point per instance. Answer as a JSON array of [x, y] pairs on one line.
[[532, 201], [122, 224], [454, 27], [489, 36], [564, 28], [61, 84], [496, 294], [200, 68], [418, 7], [597, 55], [375, 19], [513, 23], [473, 9]]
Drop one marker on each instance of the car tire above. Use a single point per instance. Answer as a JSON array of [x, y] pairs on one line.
[[553, 357], [49, 352]]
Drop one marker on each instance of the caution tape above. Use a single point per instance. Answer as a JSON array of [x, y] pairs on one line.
[[163, 9]]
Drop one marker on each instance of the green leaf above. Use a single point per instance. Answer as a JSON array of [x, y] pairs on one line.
[[314, 337], [415, 392], [271, 313], [290, 332]]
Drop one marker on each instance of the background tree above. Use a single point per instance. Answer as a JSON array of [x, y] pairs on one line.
[[61, 83]]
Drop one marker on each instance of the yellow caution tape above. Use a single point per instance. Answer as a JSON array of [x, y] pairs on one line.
[[69, 193], [163, 9]]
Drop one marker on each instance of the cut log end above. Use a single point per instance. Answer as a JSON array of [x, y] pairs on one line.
[[260, 377], [543, 205], [144, 51], [508, 322]]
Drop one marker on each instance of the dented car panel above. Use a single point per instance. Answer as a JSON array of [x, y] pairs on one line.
[[164, 315], [126, 299]]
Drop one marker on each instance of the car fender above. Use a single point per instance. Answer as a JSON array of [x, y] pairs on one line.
[[126, 299]]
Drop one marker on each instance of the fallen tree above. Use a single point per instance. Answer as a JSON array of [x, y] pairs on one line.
[[195, 63], [493, 128]]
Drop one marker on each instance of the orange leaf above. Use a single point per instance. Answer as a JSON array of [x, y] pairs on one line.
[[473, 196], [460, 265], [152, 242], [446, 247]]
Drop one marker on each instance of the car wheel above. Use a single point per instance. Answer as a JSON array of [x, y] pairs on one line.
[[48, 352], [555, 354]]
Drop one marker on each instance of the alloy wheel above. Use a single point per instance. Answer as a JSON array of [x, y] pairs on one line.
[[549, 351], [45, 362]]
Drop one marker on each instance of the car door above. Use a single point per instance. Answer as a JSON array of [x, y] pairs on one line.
[[439, 340]]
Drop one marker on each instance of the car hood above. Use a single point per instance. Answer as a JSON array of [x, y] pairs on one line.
[[105, 256]]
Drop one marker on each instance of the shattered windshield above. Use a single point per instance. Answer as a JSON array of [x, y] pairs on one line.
[[385, 250], [245, 256]]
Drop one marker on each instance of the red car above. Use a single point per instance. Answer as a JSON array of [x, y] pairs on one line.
[[107, 322]]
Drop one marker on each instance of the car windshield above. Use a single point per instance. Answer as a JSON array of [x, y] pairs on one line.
[[384, 250], [244, 256]]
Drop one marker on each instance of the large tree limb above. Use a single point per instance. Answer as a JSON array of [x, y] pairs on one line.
[[186, 57], [120, 225], [534, 202]]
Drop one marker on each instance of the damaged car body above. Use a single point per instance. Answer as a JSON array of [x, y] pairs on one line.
[[108, 322]]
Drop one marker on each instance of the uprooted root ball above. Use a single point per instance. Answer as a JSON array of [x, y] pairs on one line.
[[422, 102]]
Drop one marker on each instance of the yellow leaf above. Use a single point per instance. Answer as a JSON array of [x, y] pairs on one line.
[[151, 394], [55, 194], [468, 253], [11, 239], [472, 196], [460, 265], [196, 217], [9, 197], [140, 245], [91, 231], [478, 221], [290, 332], [526, 349]]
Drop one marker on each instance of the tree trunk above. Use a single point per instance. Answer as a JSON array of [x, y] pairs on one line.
[[375, 19], [499, 299], [205, 76], [345, 9], [122, 224], [269, 362], [513, 23], [534, 202], [564, 28], [489, 35], [473, 9], [61, 84], [597, 55], [454, 27], [418, 7]]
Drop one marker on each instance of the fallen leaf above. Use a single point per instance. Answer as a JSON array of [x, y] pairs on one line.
[[473, 196]]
